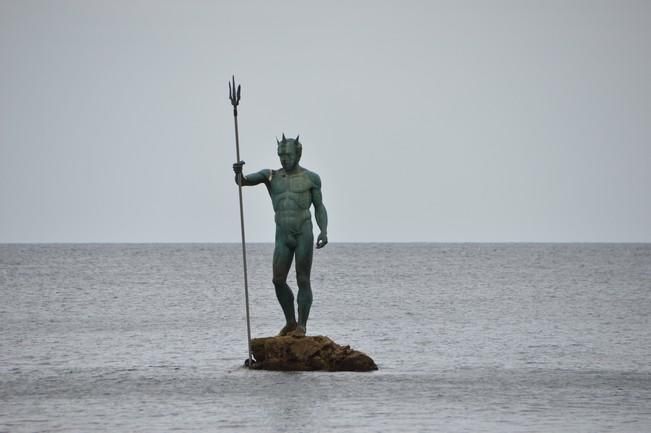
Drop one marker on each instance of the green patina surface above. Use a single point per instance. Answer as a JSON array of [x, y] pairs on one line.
[[293, 190]]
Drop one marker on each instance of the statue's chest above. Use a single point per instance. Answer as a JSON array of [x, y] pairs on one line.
[[296, 183]]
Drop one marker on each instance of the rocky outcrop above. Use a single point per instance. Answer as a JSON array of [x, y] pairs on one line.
[[294, 353]]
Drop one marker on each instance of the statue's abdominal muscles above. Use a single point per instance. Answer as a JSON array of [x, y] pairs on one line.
[[291, 199]]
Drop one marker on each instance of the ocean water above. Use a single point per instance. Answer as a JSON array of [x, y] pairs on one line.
[[468, 337]]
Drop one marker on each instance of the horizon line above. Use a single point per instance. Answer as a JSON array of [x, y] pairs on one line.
[[331, 242]]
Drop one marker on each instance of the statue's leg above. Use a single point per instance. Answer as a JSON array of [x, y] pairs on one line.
[[282, 261], [304, 251]]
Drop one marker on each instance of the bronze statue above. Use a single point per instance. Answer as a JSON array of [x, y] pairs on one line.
[[293, 189]]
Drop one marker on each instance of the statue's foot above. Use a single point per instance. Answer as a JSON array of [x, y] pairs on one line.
[[290, 327], [298, 332]]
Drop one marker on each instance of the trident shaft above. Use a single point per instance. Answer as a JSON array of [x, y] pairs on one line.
[[234, 96]]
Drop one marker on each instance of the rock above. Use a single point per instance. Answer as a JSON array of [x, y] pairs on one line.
[[293, 353]]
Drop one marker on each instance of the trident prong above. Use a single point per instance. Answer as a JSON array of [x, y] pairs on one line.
[[234, 94]]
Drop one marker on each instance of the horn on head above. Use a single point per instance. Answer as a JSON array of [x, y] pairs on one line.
[[296, 139], [277, 142], [284, 139]]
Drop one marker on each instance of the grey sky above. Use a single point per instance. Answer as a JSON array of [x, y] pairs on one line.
[[427, 121]]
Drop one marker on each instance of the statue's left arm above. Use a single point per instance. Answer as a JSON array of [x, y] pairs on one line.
[[320, 212]]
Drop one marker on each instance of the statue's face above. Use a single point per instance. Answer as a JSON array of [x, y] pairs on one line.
[[288, 156]]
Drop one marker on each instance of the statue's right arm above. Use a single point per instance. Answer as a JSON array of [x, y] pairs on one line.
[[252, 178], [255, 178]]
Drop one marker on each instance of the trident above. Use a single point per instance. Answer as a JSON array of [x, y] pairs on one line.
[[234, 96]]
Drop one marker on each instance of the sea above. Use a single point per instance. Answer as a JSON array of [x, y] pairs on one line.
[[467, 338]]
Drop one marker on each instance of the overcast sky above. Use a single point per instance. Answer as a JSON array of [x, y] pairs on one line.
[[427, 121]]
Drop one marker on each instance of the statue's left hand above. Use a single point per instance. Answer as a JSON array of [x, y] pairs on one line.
[[321, 241]]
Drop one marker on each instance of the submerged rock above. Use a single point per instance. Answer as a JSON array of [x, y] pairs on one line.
[[293, 353]]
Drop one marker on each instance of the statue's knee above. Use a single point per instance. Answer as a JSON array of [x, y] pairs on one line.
[[278, 282], [303, 281]]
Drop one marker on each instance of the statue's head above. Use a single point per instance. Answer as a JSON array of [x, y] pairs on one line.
[[289, 152]]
